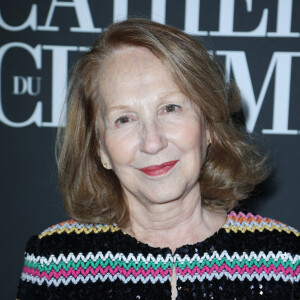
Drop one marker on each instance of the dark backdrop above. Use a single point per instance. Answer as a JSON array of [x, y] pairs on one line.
[[258, 41]]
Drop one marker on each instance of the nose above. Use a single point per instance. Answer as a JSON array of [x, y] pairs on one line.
[[152, 138]]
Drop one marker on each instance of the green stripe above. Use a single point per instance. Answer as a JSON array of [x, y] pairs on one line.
[[236, 262], [94, 265]]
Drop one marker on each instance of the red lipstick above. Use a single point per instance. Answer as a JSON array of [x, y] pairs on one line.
[[159, 169]]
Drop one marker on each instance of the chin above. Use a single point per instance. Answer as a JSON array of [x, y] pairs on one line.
[[165, 196]]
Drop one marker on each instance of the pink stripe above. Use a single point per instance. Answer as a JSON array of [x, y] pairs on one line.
[[160, 271], [94, 272], [242, 215], [235, 216]]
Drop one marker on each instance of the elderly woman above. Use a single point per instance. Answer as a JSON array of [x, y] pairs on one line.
[[151, 164]]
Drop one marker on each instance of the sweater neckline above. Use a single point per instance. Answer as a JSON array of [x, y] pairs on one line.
[[209, 239]]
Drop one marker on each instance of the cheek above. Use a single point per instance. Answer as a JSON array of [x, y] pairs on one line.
[[189, 136], [121, 148]]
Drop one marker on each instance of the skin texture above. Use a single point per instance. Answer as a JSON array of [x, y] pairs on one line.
[[146, 120]]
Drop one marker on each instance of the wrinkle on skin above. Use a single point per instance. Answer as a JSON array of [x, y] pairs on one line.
[[164, 212]]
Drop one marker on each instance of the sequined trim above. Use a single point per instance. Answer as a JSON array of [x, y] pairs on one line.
[[249, 222], [63, 270]]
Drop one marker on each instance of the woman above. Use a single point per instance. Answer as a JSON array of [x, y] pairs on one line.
[[151, 164]]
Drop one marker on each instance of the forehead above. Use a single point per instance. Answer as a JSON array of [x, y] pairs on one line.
[[134, 71], [125, 56], [130, 61]]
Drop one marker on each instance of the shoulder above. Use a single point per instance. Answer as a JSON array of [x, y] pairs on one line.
[[253, 232], [66, 243], [242, 221], [61, 253], [71, 226], [70, 236]]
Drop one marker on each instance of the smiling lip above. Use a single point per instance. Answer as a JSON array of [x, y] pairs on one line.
[[159, 169]]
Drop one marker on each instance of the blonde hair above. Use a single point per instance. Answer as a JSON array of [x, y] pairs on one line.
[[232, 167]]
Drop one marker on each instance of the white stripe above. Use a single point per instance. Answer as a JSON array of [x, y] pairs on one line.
[[153, 280], [241, 277], [286, 256]]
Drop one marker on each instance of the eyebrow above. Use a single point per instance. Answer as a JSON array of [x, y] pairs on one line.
[[124, 107], [117, 107]]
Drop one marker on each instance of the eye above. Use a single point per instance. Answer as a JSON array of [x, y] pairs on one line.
[[171, 108], [123, 120]]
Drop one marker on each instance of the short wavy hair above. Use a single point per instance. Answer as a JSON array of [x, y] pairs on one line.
[[233, 166]]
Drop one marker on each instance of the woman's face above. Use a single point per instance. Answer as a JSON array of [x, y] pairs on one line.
[[151, 135]]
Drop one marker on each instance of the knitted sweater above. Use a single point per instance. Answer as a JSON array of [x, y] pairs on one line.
[[250, 257]]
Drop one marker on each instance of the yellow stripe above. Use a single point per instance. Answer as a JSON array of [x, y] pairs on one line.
[[244, 229], [81, 230]]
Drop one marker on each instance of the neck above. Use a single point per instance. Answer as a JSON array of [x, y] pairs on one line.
[[175, 223]]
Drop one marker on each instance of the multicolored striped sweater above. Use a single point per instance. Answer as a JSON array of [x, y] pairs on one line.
[[250, 257]]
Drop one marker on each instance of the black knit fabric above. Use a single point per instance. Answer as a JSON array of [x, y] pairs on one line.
[[250, 257]]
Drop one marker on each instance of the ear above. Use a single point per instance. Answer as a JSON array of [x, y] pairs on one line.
[[104, 157], [208, 137]]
